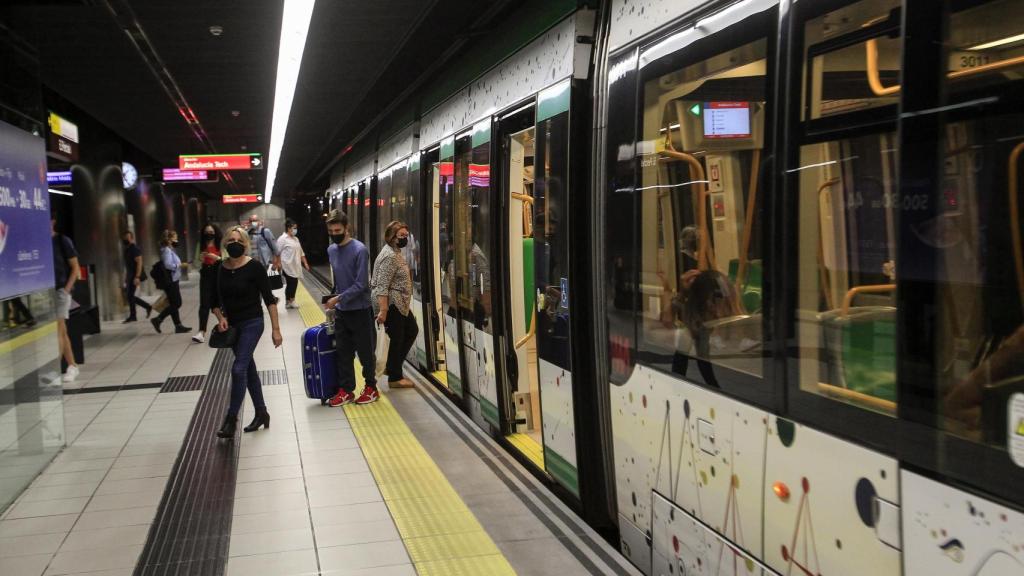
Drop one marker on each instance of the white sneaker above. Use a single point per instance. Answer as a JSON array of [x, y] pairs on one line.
[[291, 305], [199, 338], [71, 374]]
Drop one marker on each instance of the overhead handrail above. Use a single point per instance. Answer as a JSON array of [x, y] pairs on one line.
[[826, 284], [1018, 246], [741, 269], [529, 333], [705, 252], [852, 396], [875, 80], [866, 289]]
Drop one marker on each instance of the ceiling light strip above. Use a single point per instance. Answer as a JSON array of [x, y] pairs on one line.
[[294, 28]]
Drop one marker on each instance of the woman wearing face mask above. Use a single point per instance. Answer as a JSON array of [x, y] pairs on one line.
[[172, 263], [293, 260], [241, 284], [209, 258], [392, 293]]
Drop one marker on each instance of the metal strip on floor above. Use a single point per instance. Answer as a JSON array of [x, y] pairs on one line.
[[192, 530], [183, 384], [112, 388]]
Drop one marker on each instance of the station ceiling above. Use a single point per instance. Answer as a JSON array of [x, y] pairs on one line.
[[356, 55]]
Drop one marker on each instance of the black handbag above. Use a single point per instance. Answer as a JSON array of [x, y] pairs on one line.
[[226, 339], [275, 278]]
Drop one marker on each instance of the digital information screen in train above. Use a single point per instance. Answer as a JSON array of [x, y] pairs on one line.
[[727, 120]]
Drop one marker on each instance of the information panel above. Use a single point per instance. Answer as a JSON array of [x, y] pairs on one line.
[[26, 253], [241, 198], [727, 120], [176, 175], [253, 161]]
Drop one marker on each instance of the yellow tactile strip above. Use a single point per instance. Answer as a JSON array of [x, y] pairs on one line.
[[441, 534], [529, 447]]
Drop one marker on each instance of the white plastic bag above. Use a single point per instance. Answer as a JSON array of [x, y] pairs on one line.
[[381, 355]]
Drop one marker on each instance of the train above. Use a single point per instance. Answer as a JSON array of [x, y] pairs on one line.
[[743, 281]]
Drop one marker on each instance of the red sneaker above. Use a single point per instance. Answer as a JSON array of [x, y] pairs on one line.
[[341, 398], [369, 395]]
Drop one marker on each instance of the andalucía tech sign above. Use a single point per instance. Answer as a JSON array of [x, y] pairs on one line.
[[220, 161]]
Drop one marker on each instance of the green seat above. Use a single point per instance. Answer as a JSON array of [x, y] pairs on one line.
[[750, 292], [529, 295], [869, 352]]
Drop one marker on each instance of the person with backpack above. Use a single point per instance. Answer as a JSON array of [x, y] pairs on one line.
[[353, 316], [133, 276], [66, 272], [263, 247], [166, 275]]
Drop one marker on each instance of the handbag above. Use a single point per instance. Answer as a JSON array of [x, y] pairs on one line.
[[276, 280], [381, 350], [226, 339], [161, 304]]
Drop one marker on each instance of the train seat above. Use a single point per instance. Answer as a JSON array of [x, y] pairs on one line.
[[860, 349], [751, 291]]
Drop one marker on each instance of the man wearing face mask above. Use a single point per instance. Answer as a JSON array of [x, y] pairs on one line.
[[353, 319], [264, 249], [133, 276], [293, 260]]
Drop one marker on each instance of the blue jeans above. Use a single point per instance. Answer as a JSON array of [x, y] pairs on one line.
[[243, 372]]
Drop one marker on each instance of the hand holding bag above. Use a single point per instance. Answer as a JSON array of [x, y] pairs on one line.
[[381, 351], [276, 280]]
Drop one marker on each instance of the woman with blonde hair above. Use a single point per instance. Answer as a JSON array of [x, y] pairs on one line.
[[392, 294], [172, 265], [241, 283]]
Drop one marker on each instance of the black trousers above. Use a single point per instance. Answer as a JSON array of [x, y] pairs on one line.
[[402, 331], [133, 300], [291, 287], [354, 334], [207, 284], [173, 292]]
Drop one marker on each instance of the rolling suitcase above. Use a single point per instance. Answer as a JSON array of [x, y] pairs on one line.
[[318, 368]]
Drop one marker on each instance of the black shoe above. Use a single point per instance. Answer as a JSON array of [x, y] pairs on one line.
[[148, 312], [129, 319], [227, 430], [180, 329], [156, 324], [262, 418]]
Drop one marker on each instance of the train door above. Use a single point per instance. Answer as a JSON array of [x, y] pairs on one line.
[[446, 265], [521, 387], [427, 284]]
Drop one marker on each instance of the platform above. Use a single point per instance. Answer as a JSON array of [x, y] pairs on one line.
[[404, 486]]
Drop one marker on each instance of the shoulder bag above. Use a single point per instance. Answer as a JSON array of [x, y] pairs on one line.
[[228, 338]]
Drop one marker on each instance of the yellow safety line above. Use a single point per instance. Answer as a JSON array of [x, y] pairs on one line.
[[529, 447], [27, 338], [439, 531], [442, 377]]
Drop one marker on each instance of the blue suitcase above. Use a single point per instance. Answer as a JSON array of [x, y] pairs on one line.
[[318, 367]]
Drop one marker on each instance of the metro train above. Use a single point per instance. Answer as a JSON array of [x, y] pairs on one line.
[[743, 280]]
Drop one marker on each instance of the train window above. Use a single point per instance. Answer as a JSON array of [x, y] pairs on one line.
[[701, 265], [976, 231], [852, 59]]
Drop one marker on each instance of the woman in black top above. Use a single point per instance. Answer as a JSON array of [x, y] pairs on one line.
[[241, 283]]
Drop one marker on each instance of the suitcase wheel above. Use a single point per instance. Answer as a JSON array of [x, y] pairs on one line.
[[323, 402]]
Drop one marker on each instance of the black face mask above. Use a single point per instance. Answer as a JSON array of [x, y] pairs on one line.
[[235, 249], [126, 243], [338, 238], [175, 243], [402, 242], [208, 237]]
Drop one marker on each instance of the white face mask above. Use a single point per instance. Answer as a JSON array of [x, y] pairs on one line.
[[295, 231]]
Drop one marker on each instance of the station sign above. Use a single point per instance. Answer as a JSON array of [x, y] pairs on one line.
[[62, 142], [176, 175], [241, 198], [252, 161], [61, 178]]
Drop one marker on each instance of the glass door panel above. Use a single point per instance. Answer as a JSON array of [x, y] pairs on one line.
[[447, 265]]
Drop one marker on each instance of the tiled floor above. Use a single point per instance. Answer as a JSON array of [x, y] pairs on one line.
[[306, 501]]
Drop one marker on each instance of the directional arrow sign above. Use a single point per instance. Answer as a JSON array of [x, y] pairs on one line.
[[241, 198], [220, 161]]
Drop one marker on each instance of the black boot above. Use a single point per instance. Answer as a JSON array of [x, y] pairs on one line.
[[262, 418], [227, 430]]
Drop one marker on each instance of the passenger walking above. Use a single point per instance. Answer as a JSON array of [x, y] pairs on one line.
[[209, 258], [133, 277], [263, 248], [392, 294], [172, 266], [66, 272], [293, 260], [353, 318], [240, 284]]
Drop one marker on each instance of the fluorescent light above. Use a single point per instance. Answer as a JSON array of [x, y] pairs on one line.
[[994, 43], [61, 192], [294, 28]]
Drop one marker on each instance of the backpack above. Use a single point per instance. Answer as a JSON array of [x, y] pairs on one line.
[[159, 274]]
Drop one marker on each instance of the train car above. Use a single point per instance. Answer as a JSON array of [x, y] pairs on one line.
[[743, 280]]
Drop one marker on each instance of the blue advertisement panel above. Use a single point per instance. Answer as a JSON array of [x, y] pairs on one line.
[[26, 253]]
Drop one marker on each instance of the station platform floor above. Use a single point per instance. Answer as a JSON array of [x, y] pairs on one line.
[[404, 486]]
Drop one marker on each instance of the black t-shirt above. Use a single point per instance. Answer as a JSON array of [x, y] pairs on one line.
[[130, 254], [63, 250], [241, 290]]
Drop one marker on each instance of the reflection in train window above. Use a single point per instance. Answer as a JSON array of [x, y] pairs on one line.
[[846, 313], [701, 268], [852, 58], [977, 229]]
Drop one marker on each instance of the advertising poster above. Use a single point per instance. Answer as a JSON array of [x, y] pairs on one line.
[[26, 253]]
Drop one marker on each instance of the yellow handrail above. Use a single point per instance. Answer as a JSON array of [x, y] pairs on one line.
[[741, 269], [1018, 247], [705, 252], [867, 289], [529, 333], [853, 396], [875, 80], [826, 285]]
